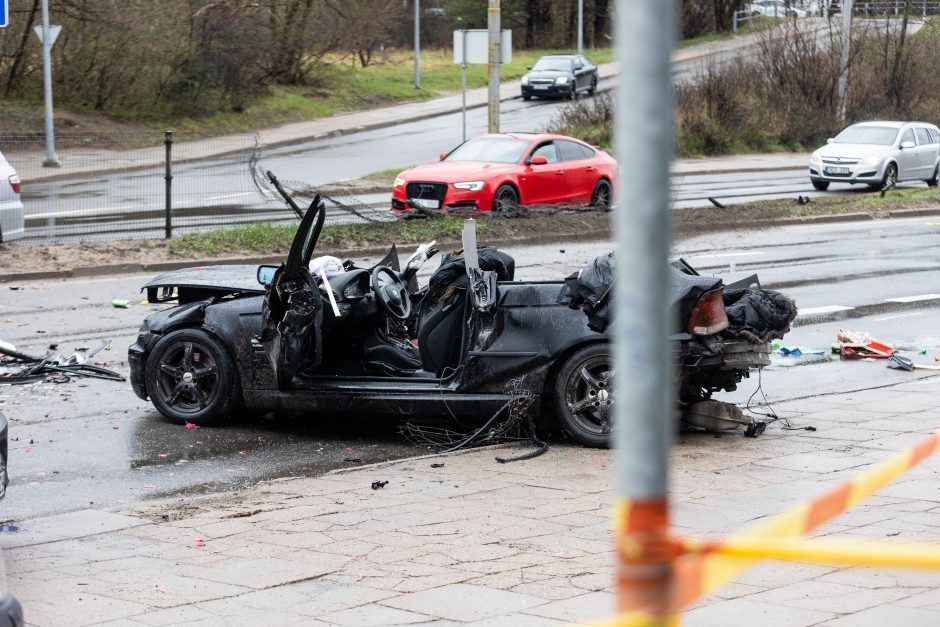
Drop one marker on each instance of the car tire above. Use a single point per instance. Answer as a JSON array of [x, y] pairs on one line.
[[932, 181], [583, 395], [593, 89], [602, 196], [890, 178], [185, 392], [505, 200], [820, 186], [526, 97], [573, 93]]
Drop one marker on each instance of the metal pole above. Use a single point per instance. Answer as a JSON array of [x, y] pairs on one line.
[[734, 22], [168, 177], [643, 414], [846, 52], [463, 85], [417, 44], [492, 23], [581, 27], [51, 159]]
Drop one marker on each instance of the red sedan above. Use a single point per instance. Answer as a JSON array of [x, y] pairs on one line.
[[497, 172]]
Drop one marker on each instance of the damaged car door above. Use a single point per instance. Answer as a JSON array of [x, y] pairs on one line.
[[293, 306]]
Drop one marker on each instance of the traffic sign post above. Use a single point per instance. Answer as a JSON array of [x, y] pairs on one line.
[[47, 35], [471, 46]]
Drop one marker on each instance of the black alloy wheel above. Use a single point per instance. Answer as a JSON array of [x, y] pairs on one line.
[[820, 186], [584, 395], [891, 177], [506, 199], [190, 378], [602, 196]]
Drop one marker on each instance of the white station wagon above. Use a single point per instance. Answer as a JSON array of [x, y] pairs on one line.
[[11, 208], [878, 154]]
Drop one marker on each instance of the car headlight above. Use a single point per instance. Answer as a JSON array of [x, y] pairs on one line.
[[525, 79], [398, 181], [561, 80], [473, 186], [871, 160]]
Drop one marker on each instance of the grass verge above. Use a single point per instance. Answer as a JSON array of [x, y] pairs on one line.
[[341, 87], [268, 239]]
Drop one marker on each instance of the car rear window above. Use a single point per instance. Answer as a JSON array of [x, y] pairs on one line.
[[572, 151], [923, 137], [878, 135], [490, 150]]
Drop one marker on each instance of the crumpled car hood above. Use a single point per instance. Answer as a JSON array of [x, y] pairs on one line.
[[221, 279]]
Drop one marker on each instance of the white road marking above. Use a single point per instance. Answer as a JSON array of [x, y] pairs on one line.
[[913, 299], [906, 315], [719, 255], [814, 311]]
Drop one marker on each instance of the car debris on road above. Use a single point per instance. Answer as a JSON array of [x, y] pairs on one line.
[[17, 367]]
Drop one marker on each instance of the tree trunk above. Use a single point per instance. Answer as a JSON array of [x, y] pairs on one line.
[[21, 49], [601, 18]]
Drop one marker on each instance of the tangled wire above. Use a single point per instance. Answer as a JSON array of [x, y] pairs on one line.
[[52, 368], [517, 424]]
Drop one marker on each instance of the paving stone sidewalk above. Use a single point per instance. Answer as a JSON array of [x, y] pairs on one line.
[[474, 541]]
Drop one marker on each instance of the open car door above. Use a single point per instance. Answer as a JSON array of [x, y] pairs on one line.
[[293, 307]]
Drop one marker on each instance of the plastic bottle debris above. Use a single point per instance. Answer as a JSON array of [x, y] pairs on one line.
[[120, 303], [379, 484]]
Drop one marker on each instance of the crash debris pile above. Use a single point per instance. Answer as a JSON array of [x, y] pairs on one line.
[[20, 368]]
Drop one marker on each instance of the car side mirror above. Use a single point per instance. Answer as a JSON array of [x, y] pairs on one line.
[[266, 274], [907, 144], [830, 140], [538, 160], [441, 156]]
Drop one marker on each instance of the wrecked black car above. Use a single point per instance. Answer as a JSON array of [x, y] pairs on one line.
[[357, 341]]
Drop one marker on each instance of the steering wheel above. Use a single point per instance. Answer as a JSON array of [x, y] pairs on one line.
[[391, 293]]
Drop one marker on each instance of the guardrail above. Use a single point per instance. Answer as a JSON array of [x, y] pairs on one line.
[[148, 184]]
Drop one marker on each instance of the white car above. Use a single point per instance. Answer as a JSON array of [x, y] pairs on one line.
[[878, 154], [11, 207], [774, 8]]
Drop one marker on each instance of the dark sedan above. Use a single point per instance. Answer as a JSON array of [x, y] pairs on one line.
[[560, 75]]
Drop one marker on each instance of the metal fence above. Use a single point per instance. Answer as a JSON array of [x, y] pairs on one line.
[[126, 185]]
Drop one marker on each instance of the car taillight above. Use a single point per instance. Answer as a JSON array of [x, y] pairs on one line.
[[709, 315], [15, 183]]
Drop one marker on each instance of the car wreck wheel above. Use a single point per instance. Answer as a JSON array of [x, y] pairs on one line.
[[584, 395], [190, 378]]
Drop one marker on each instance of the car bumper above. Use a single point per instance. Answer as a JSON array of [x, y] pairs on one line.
[[455, 201], [528, 91], [136, 360], [868, 174], [11, 220]]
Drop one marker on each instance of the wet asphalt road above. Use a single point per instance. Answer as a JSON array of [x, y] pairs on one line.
[[94, 442]]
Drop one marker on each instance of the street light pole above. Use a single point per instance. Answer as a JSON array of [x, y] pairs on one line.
[[51, 159], [643, 421], [581, 27], [494, 55], [417, 44]]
